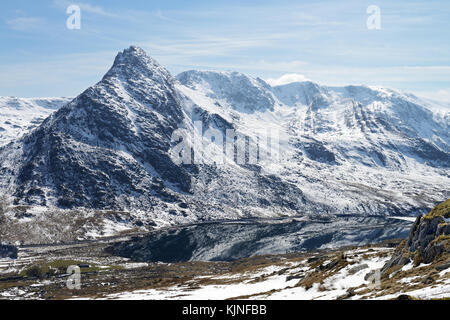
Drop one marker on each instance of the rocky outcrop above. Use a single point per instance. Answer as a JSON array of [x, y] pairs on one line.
[[429, 238], [428, 241]]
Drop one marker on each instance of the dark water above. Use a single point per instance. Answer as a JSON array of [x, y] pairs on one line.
[[225, 241]]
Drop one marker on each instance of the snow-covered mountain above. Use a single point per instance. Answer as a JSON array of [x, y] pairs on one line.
[[19, 115], [349, 150], [108, 148]]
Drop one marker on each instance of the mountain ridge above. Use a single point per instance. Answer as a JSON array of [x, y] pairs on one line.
[[341, 150]]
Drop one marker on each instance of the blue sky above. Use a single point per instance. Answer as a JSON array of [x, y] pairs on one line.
[[325, 41]]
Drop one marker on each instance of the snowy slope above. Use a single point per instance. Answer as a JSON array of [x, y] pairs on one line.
[[235, 89], [19, 115]]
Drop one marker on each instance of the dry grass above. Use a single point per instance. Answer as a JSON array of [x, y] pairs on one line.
[[441, 210]]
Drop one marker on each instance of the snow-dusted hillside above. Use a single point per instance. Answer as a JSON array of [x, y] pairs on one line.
[[349, 150], [19, 115]]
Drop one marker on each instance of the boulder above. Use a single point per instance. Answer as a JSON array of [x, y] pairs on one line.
[[358, 268], [443, 267], [400, 260]]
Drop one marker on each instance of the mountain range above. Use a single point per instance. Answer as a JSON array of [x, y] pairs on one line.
[[339, 150]]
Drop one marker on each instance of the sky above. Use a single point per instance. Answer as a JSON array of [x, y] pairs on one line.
[[328, 42]]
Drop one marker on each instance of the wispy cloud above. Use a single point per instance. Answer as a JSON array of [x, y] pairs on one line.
[[159, 14], [25, 23], [210, 46], [442, 95], [86, 7]]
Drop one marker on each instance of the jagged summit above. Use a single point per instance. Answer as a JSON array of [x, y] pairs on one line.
[[134, 62], [134, 56], [136, 76]]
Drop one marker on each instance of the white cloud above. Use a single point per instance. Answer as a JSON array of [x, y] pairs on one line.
[[25, 23], [287, 78], [84, 7], [206, 45], [442, 95]]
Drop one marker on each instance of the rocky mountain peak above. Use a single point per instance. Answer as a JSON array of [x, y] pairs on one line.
[[134, 64], [135, 76]]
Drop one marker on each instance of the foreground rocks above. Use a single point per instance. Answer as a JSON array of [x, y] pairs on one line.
[[345, 273], [428, 241]]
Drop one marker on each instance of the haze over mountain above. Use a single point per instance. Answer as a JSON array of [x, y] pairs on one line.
[[343, 150]]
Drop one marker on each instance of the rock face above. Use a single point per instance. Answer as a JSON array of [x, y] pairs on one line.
[[429, 238], [428, 241], [8, 251]]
